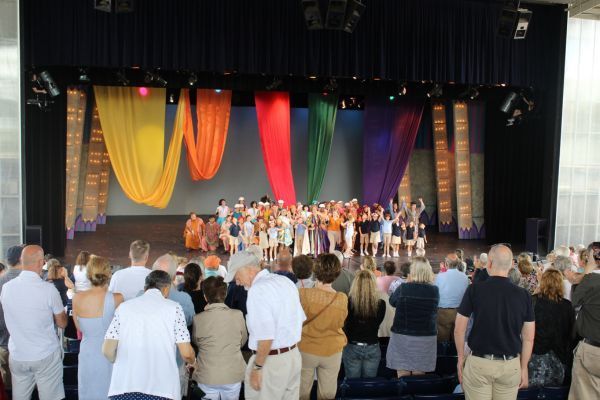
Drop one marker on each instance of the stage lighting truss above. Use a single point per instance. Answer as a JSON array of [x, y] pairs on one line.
[[154, 77], [436, 91], [342, 15]]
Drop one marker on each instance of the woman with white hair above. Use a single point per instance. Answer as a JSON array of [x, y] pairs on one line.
[[413, 343]]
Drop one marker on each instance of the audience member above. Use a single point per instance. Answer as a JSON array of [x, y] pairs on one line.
[[384, 282], [501, 339], [274, 323], [480, 264], [585, 382], [419, 252], [13, 259], [219, 333], [3, 269], [302, 266], [452, 285], [369, 264], [323, 338], [344, 280], [366, 311], [284, 265], [413, 344], [554, 320], [58, 276], [529, 278], [562, 251], [142, 340], [564, 264], [514, 276], [130, 281], [79, 272], [93, 311], [192, 285], [404, 271], [213, 267], [32, 310], [168, 264]]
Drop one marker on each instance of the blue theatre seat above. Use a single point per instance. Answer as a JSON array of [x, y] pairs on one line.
[[446, 365], [70, 358], [554, 393], [71, 393], [368, 388], [73, 345], [528, 394], [427, 384], [70, 375], [440, 397]]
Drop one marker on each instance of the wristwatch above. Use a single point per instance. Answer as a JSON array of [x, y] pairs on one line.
[[257, 367]]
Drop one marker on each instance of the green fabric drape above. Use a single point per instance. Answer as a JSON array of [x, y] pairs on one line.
[[321, 123]]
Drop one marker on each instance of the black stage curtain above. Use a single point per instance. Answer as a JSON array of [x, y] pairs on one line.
[[45, 145], [439, 40]]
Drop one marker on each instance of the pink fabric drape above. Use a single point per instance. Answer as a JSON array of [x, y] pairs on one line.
[[273, 113]]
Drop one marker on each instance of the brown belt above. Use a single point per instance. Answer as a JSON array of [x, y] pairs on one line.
[[279, 351], [591, 342]]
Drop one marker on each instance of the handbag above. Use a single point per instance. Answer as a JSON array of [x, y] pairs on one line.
[[308, 321], [194, 392]]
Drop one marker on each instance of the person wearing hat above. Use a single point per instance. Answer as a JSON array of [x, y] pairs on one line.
[[274, 321], [13, 259], [213, 267]]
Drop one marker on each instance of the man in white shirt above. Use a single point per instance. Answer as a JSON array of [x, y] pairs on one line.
[[274, 320], [452, 285], [32, 311], [130, 281]]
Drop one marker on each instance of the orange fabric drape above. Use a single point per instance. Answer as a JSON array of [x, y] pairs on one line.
[[205, 150]]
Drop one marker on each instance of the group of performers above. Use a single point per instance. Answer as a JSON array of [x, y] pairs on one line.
[[309, 229]]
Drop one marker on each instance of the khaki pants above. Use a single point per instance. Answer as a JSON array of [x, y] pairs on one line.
[[486, 379], [280, 377], [585, 383], [327, 369], [298, 245], [446, 318], [335, 237], [4, 368]]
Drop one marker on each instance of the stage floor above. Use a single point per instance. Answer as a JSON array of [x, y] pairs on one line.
[[164, 233]]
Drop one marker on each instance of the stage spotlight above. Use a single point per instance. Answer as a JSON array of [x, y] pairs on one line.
[[49, 84], [103, 5], [392, 98], [336, 14], [154, 77], [171, 98], [509, 103], [123, 6], [143, 91], [83, 76], [312, 14], [192, 79], [472, 93], [43, 103], [436, 91], [275, 84], [331, 86], [353, 14], [121, 78], [343, 104], [402, 90], [217, 90]]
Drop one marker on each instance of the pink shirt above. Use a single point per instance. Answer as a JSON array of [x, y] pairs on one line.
[[384, 282]]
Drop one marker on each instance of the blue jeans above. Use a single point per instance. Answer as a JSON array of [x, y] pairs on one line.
[[361, 361]]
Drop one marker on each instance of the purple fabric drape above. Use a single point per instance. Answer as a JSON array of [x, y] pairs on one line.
[[390, 130]]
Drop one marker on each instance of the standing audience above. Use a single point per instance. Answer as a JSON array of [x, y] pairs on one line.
[[58, 276], [554, 320], [142, 340], [323, 338], [529, 277], [93, 311], [192, 285], [302, 266], [82, 282], [501, 339], [384, 282], [130, 281], [413, 343], [219, 334], [366, 311], [343, 282], [452, 285], [33, 310], [13, 259], [274, 322], [284, 265]]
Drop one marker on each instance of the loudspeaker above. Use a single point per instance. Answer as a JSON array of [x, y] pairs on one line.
[[336, 14], [312, 14], [507, 21], [536, 235], [103, 5], [33, 234], [522, 23]]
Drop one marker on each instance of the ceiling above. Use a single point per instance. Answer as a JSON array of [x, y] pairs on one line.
[[587, 9]]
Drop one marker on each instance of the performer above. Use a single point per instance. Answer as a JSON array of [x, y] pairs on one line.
[[410, 237], [375, 235], [253, 211], [193, 232], [234, 236], [349, 236], [222, 211], [421, 237], [273, 240], [247, 233], [396, 236], [365, 231], [300, 233], [413, 213], [224, 235], [386, 228], [263, 238], [212, 234], [334, 233]]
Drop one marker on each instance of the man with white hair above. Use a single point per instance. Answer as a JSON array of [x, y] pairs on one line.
[[481, 273], [562, 251], [501, 340], [564, 264], [167, 263], [274, 320]]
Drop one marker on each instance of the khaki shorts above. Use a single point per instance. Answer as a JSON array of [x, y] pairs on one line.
[[364, 238], [396, 239], [375, 238], [273, 242], [420, 243], [410, 242], [387, 237], [233, 241]]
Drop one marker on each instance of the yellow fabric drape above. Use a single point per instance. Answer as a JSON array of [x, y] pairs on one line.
[[133, 128], [205, 152]]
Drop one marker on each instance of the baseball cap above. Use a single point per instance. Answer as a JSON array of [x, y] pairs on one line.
[[13, 255], [239, 260]]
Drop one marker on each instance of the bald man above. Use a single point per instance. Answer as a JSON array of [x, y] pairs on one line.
[[501, 340], [168, 263], [32, 311]]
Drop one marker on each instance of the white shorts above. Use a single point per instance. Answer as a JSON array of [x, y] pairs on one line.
[[420, 243], [47, 374]]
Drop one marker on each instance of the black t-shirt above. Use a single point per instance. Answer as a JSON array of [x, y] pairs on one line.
[[480, 275], [198, 300], [361, 330], [374, 226], [421, 232], [62, 289], [365, 227], [499, 310], [410, 233], [234, 230], [396, 231]]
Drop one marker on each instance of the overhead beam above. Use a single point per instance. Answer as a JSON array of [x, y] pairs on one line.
[[581, 8]]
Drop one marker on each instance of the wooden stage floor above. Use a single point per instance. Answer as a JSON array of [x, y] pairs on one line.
[[165, 234]]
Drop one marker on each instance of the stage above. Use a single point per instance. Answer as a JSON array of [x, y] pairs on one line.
[[164, 233]]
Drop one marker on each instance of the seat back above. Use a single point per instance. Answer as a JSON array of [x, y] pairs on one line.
[[427, 384], [454, 396], [70, 375], [554, 393], [368, 388], [528, 394], [446, 365]]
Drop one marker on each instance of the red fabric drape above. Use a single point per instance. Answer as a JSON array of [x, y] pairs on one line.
[[273, 113]]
